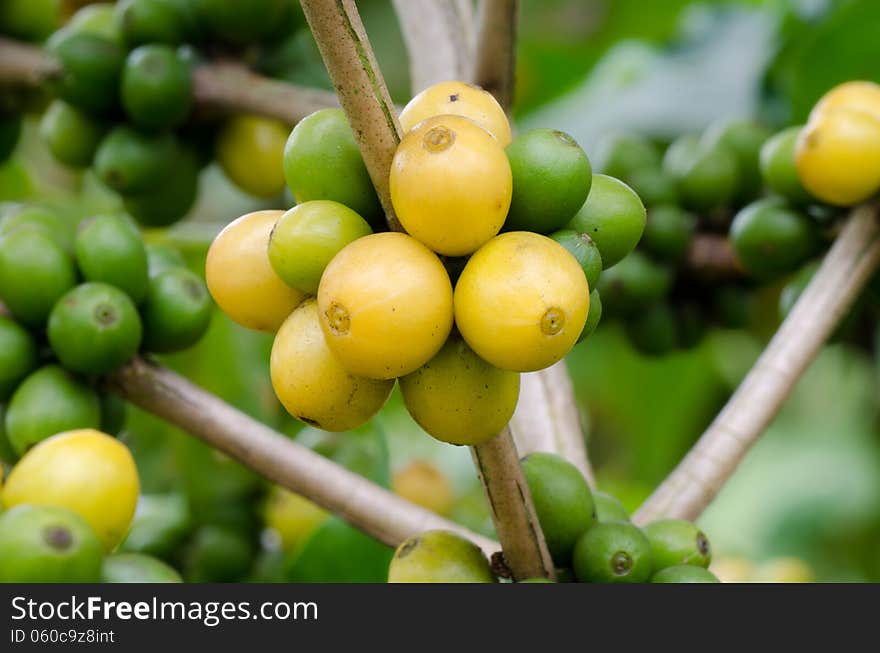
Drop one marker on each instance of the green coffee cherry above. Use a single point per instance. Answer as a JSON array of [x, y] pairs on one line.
[[131, 162], [778, 167], [322, 161], [668, 232], [137, 568], [46, 544], [706, 174], [594, 316], [584, 250], [655, 186], [744, 138], [677, 542], [177, 311], [613, 216], [562, 500], [178, 195], [613, 552], [71, 135], [684, 574], [551, 180], [157, 88], [94, 329], [18, 355], [609, 508], [74, 406], [626, 154], [34, 272], [90, 69], [771, 238], [110, 249], [439, 557]]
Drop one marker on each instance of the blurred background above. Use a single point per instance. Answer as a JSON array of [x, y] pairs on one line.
[[810, 490]]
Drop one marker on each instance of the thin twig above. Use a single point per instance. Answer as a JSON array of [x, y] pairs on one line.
[[495, 61], [24, 64], [547, 418], [233, 87], [364, 504], [351, 64], [525, 550], [846, 269], [223, 85], [437, 41]]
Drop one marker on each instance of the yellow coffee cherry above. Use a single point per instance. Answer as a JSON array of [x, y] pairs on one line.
[[521, 301], [459, 398], [838, 156], [386, 305], [312, 384], [241, 279], [855, 95], [85, 471], [293, 517], [458, 99], [450, 185], [250, 150], [425, 485]]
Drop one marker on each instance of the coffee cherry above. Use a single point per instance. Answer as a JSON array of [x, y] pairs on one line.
[[551, 180], [668, 232], [131, 162], [624, 155], [613, 552], [838, 155], [386, 305], [110, 250], [563, 502], [312, 384], [608, 508], [176, 312], [157, 88], [594, 316], [653, 330], [584, 250], [241, 279], [706, 174], [91, 66], [450, 185], [521, 301], [458, 99], [250, 150], [323, 162], [771, 238], [459, 398], [613, 216], [744, 139], [425, 485], [439, 557], [684, 574], [778, 166], [74, 405], [677, 542], [307, 237], [94, 329], [71, 135]]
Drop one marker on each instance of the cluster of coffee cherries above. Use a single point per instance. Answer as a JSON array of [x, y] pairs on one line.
[[736, 209], [589, 536], [82, 300], [490, 275], [122, 96]]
